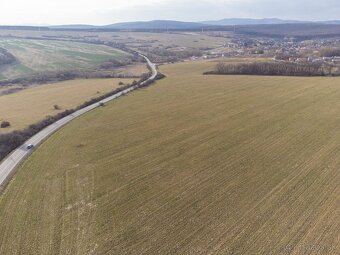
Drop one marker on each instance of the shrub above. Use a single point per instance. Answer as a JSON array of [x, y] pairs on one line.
[[5, 124], [56, 107]]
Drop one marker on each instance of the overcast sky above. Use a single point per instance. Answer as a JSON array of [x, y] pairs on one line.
[[99, 12]]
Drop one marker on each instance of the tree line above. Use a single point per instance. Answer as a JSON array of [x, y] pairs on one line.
[[46, 77], [275, 69], [12, 140], [330, 52]]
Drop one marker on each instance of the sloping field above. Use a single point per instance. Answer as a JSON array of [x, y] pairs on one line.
[[187, 40], [169, 40], [47, 55], [33, 104], [192, 165]]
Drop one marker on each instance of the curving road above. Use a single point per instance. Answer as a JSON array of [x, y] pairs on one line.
[[9, 164]]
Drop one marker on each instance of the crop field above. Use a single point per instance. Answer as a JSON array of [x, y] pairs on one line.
[[160, 46], [131, 39], [172, 40], [30, 105], [191, 165], [132, 70], [46, 55]]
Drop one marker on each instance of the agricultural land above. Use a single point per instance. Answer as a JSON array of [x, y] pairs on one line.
[[191, 165], [38, 56], [28, 106]]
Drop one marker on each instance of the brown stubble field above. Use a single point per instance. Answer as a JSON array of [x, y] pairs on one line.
[[28, 106], [191, 165]]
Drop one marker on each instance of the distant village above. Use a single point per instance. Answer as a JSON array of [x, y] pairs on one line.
[[280, 50]]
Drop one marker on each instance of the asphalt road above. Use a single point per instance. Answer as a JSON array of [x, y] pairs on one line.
[[9, 164]]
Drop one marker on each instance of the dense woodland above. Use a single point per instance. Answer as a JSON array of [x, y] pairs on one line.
[[300, 31], [6, 57], [330, 52], [276, 68]]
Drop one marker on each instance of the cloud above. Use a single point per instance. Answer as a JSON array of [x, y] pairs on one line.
[[110, 11], [177, 10], [291, 9], [194, 10]]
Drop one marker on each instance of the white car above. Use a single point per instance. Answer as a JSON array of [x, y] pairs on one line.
[[29, 146]]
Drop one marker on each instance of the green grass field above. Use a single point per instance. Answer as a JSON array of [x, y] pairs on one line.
[[46, 55], [191, 165], [172, 40], [187, 40], [31, 105]]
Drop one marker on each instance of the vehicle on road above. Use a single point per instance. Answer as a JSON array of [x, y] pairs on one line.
[[29, 146], [8, 165]]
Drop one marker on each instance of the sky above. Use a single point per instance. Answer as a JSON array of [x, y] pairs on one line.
[[103, 12]]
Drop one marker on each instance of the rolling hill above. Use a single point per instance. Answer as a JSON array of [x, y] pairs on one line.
[[240, 21], [156, 24], [173, 24]]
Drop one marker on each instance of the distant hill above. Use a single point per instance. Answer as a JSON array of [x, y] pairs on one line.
[[273, 21], [181, 25], [309, 30], [24, 28], [241, 22], [75, 26], [156, 24], [270, 27], [330, 22]]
